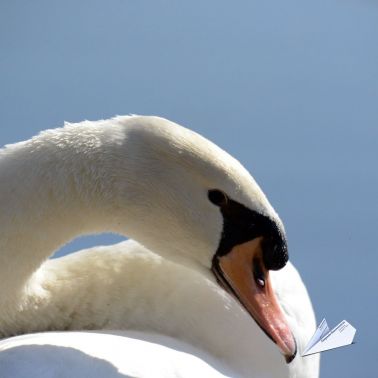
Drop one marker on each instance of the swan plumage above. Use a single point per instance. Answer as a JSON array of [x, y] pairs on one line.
[[88, 187], [206, 317], [94, 354]]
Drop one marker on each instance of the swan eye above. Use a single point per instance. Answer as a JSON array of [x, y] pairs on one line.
[[217, 197]]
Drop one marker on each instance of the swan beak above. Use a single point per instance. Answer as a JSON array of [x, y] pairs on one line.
[[242, 273]]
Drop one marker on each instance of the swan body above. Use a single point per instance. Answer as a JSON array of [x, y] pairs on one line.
[[177, 307], [146, 178]]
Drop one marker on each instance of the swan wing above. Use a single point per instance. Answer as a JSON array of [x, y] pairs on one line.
[[105, 355]]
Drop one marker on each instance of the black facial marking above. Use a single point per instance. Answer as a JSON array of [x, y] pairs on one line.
[[241, 225]]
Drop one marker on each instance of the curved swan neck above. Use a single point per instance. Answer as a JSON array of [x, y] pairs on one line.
[[52, 189], [136, 176]]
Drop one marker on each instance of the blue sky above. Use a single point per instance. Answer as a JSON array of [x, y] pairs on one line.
[[289, 88]]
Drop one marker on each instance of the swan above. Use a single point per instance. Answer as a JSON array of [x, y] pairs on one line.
[[176, 193]]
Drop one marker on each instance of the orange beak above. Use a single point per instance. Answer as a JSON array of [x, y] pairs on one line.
[[243, 274]]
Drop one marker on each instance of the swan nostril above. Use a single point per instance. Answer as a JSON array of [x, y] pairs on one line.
[[258, 273], [260, 282]]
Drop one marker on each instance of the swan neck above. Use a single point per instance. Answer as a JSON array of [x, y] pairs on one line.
[[52, 190]]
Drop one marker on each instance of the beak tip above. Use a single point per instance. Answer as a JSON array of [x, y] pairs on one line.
[[290, 357]]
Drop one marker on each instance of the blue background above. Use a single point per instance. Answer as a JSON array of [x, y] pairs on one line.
[[290, 88]]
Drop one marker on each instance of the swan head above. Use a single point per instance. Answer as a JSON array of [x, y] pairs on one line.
[[189, 200]]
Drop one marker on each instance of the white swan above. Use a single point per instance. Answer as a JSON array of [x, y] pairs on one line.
[[163, 185]]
